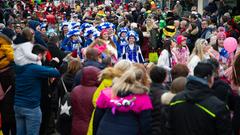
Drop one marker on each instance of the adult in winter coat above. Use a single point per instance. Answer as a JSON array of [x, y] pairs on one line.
[[196, 111], [222, 90], [7, 77], [158, 76], [28, 94], [92, 58], [106, 76], [64, 125], [81, 99], [177, 86], [124, 109], [53, 47]]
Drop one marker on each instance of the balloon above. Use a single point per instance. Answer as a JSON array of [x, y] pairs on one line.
[[230, 44]]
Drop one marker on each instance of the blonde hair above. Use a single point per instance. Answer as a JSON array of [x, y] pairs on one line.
[[123, 65], [145, 80], [198, 49], [74, 65], [119, 68], [131, 81]]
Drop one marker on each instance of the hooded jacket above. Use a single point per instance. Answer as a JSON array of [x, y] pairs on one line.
[[106, 76], [81, 99], [78, 77], [196, 111], [38, 37], [127, 114]]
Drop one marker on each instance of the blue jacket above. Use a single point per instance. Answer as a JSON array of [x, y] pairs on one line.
[[28, 84], [134, 55]]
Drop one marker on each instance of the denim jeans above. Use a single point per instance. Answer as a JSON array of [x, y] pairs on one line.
[[28, 120]]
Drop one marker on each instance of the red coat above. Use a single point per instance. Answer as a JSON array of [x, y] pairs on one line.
[[81, 98]]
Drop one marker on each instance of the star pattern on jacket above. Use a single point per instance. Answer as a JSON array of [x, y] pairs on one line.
[[65, 109]]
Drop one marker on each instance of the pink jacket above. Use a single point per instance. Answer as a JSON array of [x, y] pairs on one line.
[[133, 102], [182, 54]]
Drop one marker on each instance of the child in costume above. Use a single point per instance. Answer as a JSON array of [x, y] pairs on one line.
[[89, 35], [73, 42], [132, 51], [122, 40], [111, 48], [181, 51]]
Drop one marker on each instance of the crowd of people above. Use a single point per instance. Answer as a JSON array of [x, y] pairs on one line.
[[116, 68]]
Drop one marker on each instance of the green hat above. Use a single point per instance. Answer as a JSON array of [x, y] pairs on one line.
[[162, 24], [237, 19]]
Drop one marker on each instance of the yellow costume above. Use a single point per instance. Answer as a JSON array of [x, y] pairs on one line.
[[6, 51], [107, 75]]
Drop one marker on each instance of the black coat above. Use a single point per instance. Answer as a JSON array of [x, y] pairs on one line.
[[128, 123], [196, 111], [223, 92], [7, 79], [156, 91], [56, 52], [59, 91]]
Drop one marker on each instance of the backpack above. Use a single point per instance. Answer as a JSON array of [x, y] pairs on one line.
[[65, 107]]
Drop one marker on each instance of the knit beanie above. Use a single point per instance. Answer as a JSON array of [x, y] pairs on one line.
[[180, 39], [221, 35]]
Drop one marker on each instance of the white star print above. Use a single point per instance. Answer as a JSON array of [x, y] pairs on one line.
[[65, 109]]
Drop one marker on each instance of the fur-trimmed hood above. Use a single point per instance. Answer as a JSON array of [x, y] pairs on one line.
[[167, 97]]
